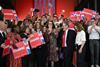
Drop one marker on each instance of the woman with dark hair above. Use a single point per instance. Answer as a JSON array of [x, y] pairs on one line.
[[45, 46], [53, 49], [80, 43], [14, 38], [38, 52], [26, 60]]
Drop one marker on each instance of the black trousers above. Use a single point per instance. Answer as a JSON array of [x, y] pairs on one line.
[[68, 56], [94, 49], [3, 60], [81, 62], [41, 56], [1, 51], [29, 61], [26, 61]]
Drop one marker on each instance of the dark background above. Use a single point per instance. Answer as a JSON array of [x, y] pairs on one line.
[[7, 4], [87, 4]]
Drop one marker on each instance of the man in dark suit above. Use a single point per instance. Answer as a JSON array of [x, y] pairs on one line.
[[2, 39], [68, 43]]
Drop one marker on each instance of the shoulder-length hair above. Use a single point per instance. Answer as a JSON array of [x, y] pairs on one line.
[[53, 26]]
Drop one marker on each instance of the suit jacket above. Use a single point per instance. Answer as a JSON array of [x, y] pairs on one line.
[[71, 36], [59, 38], [68, 51], [2, 40]]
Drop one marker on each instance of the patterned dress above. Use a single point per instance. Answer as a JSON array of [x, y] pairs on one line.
[[53, 51]]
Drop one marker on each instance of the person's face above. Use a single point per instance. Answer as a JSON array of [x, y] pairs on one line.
[[78, 29], [26, 22], [48, 17], [30, 26], [27, 30], [42, 22], [38, 25], [44, 29], [43, 17], [69, 22], [55, 19], [65, 27], [33, 17]]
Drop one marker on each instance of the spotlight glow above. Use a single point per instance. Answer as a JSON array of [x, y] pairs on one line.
[[0, 8], [63, 10]]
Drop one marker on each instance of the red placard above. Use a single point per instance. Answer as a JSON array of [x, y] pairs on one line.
[[6, 49], [21, 51], [35, 41], [88, 13], [75, 18], [41, 37], [9, 14]]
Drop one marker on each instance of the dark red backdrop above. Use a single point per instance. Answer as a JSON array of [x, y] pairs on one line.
[[23, 7]]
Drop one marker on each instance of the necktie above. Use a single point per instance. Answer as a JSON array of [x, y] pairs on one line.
[[63, 40]]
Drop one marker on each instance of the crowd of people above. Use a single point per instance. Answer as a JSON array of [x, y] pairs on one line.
[[63, 37]]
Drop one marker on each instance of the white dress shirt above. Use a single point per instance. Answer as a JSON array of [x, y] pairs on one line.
[[80, 38], [1, 32], [94, 34], [2, 36], [66, 33]]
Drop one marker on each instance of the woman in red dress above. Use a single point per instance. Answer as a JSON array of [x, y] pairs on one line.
[[14, 37]]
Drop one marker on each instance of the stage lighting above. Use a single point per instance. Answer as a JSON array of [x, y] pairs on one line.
[[1, 14], [0, 8], [63, 10], [11, 20]]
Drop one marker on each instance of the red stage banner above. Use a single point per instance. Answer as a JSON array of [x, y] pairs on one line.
[[23, 49], [35, 41]]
